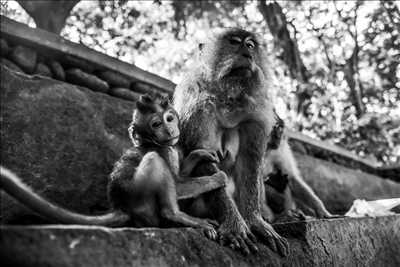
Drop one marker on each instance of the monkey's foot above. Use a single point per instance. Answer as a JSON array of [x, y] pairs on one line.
[[208, 227], [330, 216], [322, 213], [181, 218], [269, 236], [293, 215], [237, 236]]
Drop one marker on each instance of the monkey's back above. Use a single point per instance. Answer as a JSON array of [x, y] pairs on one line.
[[196, 109], [123, 172]]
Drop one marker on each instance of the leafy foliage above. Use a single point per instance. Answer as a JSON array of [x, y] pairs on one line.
[[350, 52]]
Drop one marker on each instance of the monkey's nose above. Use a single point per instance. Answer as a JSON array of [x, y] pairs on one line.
[[169, 132], [247, 55]]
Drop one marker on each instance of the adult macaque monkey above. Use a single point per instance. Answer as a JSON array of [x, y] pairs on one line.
[[145, 181], [224, 105]]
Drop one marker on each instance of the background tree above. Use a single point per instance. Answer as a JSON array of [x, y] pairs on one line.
[[336, 63], [49, 15]]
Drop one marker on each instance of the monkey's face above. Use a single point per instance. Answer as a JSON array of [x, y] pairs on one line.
[[154, 122], [235, 61], [164, 127]]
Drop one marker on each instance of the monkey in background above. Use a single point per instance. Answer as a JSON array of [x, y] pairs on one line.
[[142, 189], [224, 105]]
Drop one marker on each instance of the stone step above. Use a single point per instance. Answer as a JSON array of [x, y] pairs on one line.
[[336, 242]]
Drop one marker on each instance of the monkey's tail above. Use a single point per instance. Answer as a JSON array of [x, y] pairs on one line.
[[13, 185]]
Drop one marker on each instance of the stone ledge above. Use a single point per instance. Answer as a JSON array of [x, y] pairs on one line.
[[338, 242], [55, 44]]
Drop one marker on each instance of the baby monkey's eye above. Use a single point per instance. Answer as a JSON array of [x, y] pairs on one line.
[[250, 44], [235, 40], [156, 124], [170, 118]]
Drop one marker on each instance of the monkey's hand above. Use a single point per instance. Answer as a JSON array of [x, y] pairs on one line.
[[195, 157], [276, 133], [205, 154], [268, 235], [237, 235]]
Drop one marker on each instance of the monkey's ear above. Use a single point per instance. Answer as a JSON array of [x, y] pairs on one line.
[[146, 98], [144, 103], [142, 107], [131, 131]]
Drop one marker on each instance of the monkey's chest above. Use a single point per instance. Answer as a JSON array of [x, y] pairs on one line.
[[172, 158], [229, 147]]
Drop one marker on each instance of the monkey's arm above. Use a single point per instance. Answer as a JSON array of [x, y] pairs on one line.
[[121, 176], [194, 157], [126, 166], [284, 159], [194, 187]]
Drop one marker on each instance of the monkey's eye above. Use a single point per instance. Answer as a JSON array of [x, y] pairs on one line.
[[170, 118], [250, 44], [156, 124], [235, 40]]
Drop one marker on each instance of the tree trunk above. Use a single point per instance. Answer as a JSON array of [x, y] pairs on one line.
[[277, 24], [49, 15]]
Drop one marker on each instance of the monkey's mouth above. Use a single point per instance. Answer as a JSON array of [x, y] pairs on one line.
[[242, 71], [171, 141]]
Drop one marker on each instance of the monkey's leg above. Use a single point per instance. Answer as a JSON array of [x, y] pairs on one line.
[[171, 212], [279, 198], [249, 184], [284, 160], [158, 172], [194, 187], [233, 230]]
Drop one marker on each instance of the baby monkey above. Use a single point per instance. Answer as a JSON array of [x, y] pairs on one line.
[[145, 181]]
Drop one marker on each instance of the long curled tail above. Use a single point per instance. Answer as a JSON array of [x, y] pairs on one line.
[[12, 185]]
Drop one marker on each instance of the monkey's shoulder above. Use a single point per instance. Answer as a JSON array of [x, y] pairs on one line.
[[127, 163]]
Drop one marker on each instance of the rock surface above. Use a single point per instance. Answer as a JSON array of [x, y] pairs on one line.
[[57, 70], [338, 186], [114, 79], [79, 77], [125, 93], [43, 70], [25, 58], [4, 48], [63, 140], [10, 65], [339, 242]]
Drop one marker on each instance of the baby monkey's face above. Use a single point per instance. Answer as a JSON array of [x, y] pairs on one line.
[[165, 127]]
